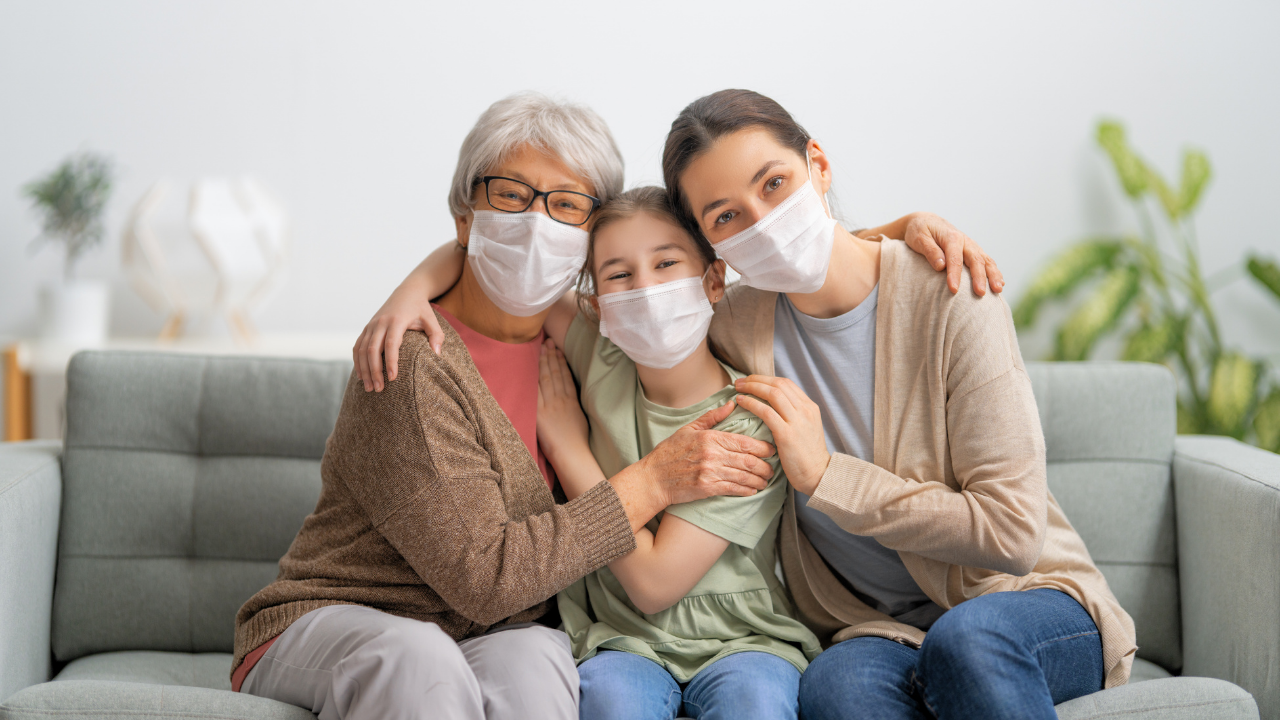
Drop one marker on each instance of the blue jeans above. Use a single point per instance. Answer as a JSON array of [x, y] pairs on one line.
[[621, 686], [1003, 655]]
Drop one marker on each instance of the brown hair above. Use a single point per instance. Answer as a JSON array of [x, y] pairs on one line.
[[649, 199], [710, 118]]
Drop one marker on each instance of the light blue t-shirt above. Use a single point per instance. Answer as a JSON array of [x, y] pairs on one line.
[[833, 360]]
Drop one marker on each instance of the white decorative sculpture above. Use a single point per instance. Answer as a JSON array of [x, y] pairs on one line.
[[242, 233]]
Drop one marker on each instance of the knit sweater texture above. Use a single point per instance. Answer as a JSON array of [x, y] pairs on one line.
[[431, 508]]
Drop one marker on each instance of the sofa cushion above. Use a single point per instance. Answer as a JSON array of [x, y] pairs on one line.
[[1180, 698], [206, 670], [145, 685], [92, 699], [1109, 433], [1146, 670], [185, 480]]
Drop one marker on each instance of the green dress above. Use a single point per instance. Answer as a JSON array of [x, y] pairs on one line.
[[740, 604]]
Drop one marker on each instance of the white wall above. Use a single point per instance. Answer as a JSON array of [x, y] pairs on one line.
[[353, 112]]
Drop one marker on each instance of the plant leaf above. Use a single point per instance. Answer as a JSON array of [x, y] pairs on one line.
[[1196, 172], [1170, 200], [1266, 272], [1153, 343], [1064, 273], [1098, 314], [1232, 389], [1132, 171], [1189, 421], [1266, 422]]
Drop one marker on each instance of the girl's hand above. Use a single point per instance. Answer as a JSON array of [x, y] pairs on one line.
[[561, 422], [796, 424], [406, 309]]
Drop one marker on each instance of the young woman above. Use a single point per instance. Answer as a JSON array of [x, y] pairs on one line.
[[694, 620], [920, 536]]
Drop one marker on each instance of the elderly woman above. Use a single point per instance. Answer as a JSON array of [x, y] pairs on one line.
[[415, 587]]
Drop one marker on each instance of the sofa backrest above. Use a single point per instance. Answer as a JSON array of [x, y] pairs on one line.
[[185, 480], [1109, 431]]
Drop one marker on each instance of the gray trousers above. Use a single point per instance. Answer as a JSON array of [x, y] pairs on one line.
[[346, 662]]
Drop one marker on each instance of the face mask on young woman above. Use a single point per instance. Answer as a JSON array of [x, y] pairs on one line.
[[660, 325], [788, 250], [524, 261]]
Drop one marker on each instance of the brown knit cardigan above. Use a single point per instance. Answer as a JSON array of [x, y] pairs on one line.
[[432, 508]]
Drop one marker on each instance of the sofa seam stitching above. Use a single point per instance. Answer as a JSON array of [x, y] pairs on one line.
[[1220, 466]]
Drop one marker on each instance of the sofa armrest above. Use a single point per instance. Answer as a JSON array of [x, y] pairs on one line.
[[1227, 497], [30, 504]]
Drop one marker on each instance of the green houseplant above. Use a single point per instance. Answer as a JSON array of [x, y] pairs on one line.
[[1150, 288], [71, 201]]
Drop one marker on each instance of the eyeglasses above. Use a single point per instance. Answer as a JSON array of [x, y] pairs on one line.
[[513, 196]]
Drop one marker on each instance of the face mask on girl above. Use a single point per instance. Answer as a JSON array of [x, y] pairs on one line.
[[788, 250], [524, 261], [660, 325]]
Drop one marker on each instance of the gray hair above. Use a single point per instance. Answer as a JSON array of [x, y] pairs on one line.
[[573, 133]]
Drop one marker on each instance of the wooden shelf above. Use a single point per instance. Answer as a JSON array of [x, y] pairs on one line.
[[35, 371]]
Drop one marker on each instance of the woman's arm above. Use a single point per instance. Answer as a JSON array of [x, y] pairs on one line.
[[409, 307], [996, 520], [665, 565], [411, 457]]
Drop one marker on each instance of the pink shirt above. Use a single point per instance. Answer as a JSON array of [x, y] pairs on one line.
[[511, 372]]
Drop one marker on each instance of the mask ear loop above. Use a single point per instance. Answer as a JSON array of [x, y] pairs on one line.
[[808, 166]]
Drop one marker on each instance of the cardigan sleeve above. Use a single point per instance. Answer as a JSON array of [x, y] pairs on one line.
[[421, 473], [997, 516]]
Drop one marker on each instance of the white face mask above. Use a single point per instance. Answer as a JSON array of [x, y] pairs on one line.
[[524, 261], [788, 250], [660, 325]]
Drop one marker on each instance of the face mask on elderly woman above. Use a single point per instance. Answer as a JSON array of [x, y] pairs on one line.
[[524, 261]]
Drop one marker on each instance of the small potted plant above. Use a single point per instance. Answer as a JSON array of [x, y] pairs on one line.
[[71, 201]]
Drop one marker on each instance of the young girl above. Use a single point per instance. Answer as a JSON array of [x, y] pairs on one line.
[[694, 620]]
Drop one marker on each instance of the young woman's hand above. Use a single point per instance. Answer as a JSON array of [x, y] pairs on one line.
[[796, 424], [561, 422]]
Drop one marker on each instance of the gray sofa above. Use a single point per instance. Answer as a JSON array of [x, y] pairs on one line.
[[125, 553]]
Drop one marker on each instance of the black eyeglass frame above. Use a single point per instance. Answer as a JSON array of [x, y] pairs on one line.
[[546, 196]]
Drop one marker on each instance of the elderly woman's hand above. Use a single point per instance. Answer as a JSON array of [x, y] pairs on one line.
[[796, 424], [946, 247], [697, 462]]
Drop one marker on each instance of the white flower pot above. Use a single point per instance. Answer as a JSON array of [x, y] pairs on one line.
[[74, 312]]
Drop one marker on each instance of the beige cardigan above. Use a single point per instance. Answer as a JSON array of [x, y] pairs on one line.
[[958, 486]]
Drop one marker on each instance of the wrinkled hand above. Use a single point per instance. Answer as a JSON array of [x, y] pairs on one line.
[[946, 247], [560, 417], [697, 462], [796, 424], [382, 336]]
